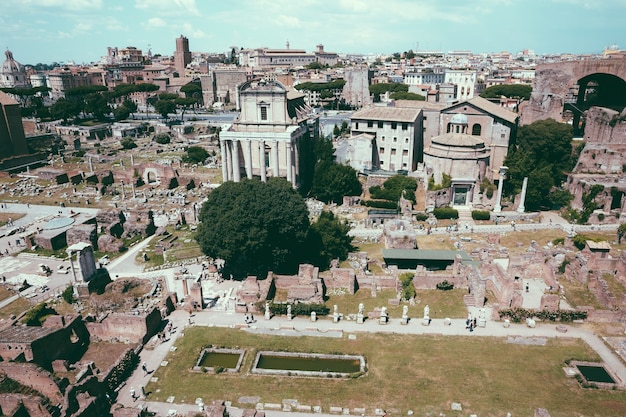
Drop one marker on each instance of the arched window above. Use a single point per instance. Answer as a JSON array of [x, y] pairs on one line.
[[476, 130], [457, 128], [448, 129]]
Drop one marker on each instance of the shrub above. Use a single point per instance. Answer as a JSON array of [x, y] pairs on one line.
[[128, 143], [446, 213], [487, 187], [558, 241], [162, 138], [445, 285], [68, 295], [380, 204], [35, 315], [420, 217], [481, 215], [563, 266]]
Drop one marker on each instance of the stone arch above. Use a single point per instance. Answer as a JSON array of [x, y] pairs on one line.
[[595, 89], [150, 176]]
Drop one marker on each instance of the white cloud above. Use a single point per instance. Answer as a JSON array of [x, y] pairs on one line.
[[289, 21], [65, 4], [185, 6], [156, 22]]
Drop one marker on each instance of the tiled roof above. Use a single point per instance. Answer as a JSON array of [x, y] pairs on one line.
[[391, 114]]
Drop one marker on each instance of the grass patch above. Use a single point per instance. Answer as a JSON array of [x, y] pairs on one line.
[[15, 308], [405, 372], [5, 293], [4, 217], [578, 294]]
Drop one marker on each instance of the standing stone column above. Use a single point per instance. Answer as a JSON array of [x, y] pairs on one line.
[[91, 165], [248, 158], [289, 161], [498, 207], [296, 165], [236, 167], [521, 208], [275, 164], [224, 160], [262, 160]]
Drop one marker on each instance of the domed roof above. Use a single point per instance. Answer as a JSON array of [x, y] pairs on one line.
[[11, 66], [459, 119]]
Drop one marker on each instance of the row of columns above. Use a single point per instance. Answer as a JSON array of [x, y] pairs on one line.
[[498, 207], [231, 165]]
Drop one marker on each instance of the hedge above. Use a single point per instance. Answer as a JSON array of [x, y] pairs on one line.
[[481, 215], [446, 213], [299, 309], [517, 315], [380, 204]]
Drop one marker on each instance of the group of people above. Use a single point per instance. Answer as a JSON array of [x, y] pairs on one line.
[[470, 323]]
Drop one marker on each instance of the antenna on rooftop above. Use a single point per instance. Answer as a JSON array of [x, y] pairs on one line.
[[287, 44]]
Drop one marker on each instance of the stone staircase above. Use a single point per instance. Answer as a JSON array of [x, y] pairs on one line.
[[465, 217]]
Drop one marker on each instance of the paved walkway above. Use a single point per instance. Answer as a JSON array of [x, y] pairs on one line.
[[325, 327]]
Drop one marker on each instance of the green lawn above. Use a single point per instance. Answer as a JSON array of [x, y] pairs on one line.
[[425, 374]]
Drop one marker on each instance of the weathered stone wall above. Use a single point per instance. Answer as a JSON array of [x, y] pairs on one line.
[[31, 375], [342, 278], [126, 327], [23, 405], [83, 233], [554, 81]]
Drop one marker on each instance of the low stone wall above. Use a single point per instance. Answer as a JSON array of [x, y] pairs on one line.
[[256, 370], [199, 367]]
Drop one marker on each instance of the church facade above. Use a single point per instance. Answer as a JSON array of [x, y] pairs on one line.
[[272, 135]]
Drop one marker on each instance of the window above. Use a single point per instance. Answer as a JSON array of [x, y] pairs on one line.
[[448, 128], [394, 125], [405, 152], [263, 112], [405, 126], [370, 123], [382, 138], [395, 139], [457, 129], [406, 140], [476, 130], [393, 152], [356, 125], [502, 135], [381, 151], [380, 125]]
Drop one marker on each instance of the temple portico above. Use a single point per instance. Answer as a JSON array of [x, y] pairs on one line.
[[266, 139]]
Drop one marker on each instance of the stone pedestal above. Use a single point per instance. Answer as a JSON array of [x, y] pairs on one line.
[[426, 321], [405, 320], [360, 319], [481, 322], [313, 316], [335, 318], [383, 319], [447, 321]]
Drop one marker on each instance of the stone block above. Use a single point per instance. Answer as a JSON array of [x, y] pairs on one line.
[[336, 410]]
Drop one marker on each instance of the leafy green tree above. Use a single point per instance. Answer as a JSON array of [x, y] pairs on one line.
[[542, 152], [165, 107], [130, 105], [185, 103], [128, 143], [327, 240], [97, 105], [163, 138], [121, 113], [394, 188], [621, 231], [332, 181], [65, 109], [382, 88], [195, 155], [401, 95], [336, 131], [521, 91], [314, 65], [254, 227], [191, 89]]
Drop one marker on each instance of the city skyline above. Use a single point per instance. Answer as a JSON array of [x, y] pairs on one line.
[[46, 31]]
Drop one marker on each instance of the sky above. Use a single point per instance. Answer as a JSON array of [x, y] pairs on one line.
[[46, 31]]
